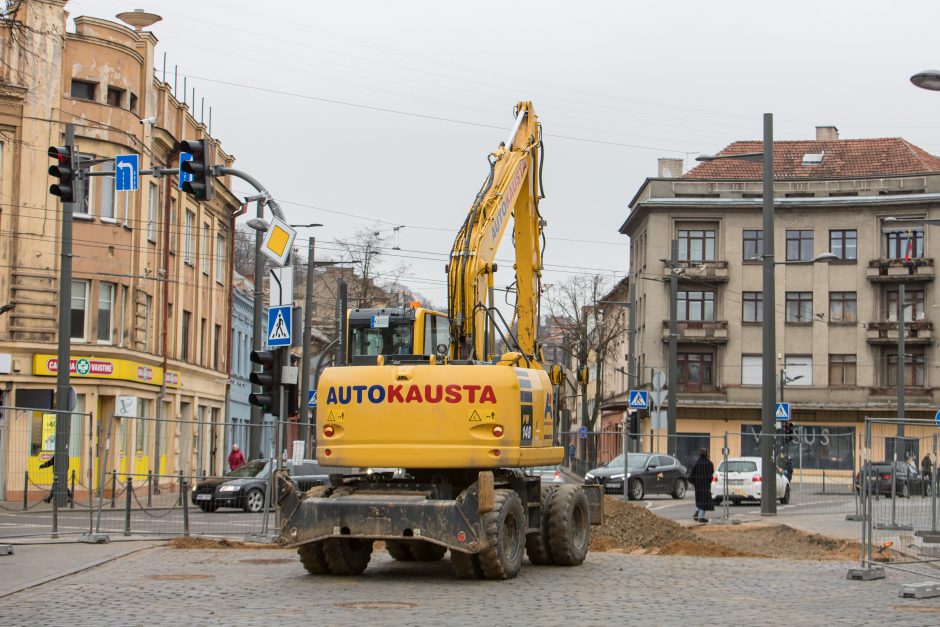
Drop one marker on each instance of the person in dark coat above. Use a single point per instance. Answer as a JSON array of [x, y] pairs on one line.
[[788, 469], [701, 477], [926, 469]]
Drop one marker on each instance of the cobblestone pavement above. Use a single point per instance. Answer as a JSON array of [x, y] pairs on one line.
[[269, 586]]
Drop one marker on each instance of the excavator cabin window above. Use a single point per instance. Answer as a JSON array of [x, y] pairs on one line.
[[395, 339]]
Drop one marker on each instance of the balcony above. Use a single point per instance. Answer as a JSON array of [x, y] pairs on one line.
[[706, 271], [886, 332], [705, 331], [887, 270]]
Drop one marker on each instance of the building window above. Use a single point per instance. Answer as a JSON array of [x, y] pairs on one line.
[[132, 103], [798, 369], [152, 211], [115, 96], [148, 307], [79, 308], [189, 238], [913, 370], [83, 90], [184, 348], [696, 245], [844, 244], [799, 245], [799, 307], [842, 369], [220, 258], [904, 244], [203, 338], [842, 307], [752, 369], [216, 346], [204, 249], [105, 311], [753, 244], [103, 191], [914, 308], [695, 369], [696, 306], [753, 306], [172, 246], [142, 427]]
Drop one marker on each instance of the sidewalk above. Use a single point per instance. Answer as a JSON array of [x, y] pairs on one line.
[[34, 563]]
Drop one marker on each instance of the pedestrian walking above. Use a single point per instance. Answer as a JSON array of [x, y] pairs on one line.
[[926, 469], [701, 477], [235, 458], [788, 469]]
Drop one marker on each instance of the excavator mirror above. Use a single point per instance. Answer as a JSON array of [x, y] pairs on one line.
[[556, 374]]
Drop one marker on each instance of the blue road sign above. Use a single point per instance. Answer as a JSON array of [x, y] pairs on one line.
[[312, 398], [936, 417], [639, 399], [582, 433], [126, 173], [183, 176], [279, 327], [782, 411]]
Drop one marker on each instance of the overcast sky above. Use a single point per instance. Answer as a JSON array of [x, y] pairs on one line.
[[384, 112]]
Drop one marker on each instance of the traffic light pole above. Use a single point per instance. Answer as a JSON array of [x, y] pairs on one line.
[[256, 418], [63, 420], [305, 360]]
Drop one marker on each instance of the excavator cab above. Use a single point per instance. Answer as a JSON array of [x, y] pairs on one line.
[[397, 334]]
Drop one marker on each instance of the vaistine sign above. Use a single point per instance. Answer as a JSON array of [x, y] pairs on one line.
[[102, 368]]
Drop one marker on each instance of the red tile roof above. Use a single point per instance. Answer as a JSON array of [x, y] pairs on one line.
[[841, 158]]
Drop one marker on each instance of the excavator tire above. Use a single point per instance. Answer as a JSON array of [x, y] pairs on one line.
[[347, 556], [504, 528], [466, 565], [426, 552], [399, 550], [536, 543], [313, 558], [569, 525]]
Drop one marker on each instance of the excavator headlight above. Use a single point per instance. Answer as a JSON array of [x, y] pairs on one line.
[[497, 431], [328, 431]]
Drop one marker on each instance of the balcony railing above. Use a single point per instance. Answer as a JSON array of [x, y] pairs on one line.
[[708, 271], [886, 332], [706, 331], [881, 270]]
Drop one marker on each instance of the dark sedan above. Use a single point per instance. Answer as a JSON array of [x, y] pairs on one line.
[[244, 487], [645, 474], [906, 479]]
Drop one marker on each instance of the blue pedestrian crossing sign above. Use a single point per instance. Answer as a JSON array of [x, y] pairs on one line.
[[184, 177], [639, 399], [783, 411], [312, 398], [126, 173], [279, 326]]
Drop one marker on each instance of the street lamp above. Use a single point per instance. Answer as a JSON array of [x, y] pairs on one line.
[[928, 79], [258, 224], [768, 392]]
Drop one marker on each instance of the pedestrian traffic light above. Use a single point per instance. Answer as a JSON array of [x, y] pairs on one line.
[[788, 431], [64, 169], [269, 378], [200, 167]]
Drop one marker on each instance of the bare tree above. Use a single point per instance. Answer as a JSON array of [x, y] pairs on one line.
[[365, 250]]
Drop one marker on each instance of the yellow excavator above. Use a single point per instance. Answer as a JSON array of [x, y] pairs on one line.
[[455, 406]]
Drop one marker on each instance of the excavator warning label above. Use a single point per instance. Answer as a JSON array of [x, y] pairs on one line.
[[477, 415], [526, 436], [334, 416]]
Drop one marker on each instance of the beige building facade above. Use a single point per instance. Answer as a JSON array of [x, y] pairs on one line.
[[836, 323], [152, 269]]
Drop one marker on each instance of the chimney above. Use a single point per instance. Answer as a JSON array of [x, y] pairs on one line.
[[827, 134], [669, 168]]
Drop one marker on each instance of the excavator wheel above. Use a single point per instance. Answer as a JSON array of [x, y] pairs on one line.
[[466, 565], [569, 525], [313, 558], [399, 550], [347, 556], [427, 552], [504, 528], [536, 543]]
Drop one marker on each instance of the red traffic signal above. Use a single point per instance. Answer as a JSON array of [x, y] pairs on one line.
[[64, 170], [200, 167]]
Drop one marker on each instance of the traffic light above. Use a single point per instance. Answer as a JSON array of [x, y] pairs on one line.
[[269, 378], [200, 166], [64, 169], [788, 430]]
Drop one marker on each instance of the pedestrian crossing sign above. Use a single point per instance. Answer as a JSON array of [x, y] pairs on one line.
[[279, 326], [639, 399], [783, 411]]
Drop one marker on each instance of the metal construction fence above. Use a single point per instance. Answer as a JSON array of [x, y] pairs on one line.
[[820, 466], [130, 475], [898, 486]]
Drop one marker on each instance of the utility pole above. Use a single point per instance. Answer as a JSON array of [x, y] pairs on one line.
[[305, 360], [63, 421], [632, 379], [768, 389], [901, 359], [256, 419], [671, 398]]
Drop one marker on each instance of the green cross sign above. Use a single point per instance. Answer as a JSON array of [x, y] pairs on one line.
[[82, 366]]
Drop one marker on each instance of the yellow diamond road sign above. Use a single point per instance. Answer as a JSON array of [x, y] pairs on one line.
[[278, 241]]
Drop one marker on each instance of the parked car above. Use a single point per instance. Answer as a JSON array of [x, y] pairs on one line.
[[644, 474], [244, 487], [745, 475], [907, 479], [548, 474]]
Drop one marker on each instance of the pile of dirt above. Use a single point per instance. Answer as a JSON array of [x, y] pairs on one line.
[[630, 528], [212, 543], [780, 541]]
